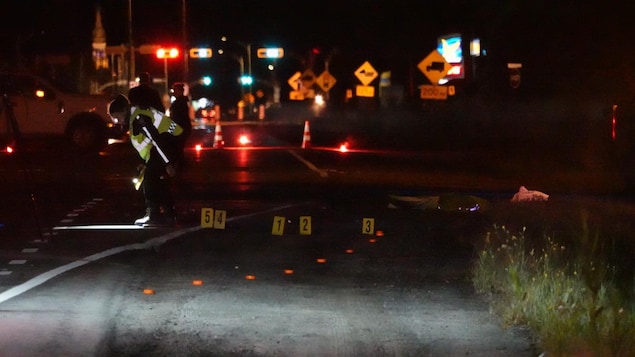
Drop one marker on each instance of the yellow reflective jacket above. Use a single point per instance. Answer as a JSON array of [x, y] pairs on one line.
[[139, 138]]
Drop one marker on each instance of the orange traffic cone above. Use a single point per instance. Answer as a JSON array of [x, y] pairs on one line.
[[218, 137], [306, 139]]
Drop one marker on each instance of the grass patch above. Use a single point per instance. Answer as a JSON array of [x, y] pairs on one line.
[[567, 274]]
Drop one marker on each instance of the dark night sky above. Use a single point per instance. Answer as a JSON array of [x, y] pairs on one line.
[[373, 26], [67, 24], [557, 37]]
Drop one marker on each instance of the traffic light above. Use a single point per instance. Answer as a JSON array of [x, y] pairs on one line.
[[167, 53], [201, 52], [207, 80], [246, 80], [270, 53]]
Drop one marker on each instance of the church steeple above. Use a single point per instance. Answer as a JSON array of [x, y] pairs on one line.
[[99, 42]]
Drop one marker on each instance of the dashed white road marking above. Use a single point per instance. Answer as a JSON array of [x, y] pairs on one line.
[[149, 244]]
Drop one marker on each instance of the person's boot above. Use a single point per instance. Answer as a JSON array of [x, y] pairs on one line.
[[152, 218], [143, 220]]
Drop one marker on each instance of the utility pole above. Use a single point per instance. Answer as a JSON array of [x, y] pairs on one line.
[[186, 52], [131, 49]]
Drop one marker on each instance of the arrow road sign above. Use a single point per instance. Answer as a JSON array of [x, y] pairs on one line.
[[294, 81]]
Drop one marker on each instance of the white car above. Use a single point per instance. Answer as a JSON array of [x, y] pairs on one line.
[[41, 109]]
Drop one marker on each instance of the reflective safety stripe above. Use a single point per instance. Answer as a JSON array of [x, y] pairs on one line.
[[141, 142], [163, 155], [142, 147]]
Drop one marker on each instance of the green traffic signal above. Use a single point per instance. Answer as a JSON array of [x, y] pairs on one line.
[[246, 80]]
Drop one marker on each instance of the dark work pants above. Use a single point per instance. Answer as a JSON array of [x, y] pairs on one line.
[[156, 186]]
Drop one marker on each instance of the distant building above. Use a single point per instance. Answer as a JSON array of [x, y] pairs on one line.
[[99, 43], [100, 58]]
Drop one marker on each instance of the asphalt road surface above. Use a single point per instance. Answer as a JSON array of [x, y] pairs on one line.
[[305, 255]]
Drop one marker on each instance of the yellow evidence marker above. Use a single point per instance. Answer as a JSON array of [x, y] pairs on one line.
[[213, 219], [207, 217], [368, 226], [278, 225], [220, 217], [305, 225]]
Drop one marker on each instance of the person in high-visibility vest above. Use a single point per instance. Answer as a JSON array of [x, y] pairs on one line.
[[149, 131]]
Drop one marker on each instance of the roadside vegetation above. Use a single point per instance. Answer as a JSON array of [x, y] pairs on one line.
[[566, 272]]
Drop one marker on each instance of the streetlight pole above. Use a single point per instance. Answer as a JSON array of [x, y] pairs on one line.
[[247, 48], [165, 54], [242, 74], [241, 62], [165, 75]]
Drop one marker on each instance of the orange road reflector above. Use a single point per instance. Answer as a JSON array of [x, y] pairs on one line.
[[250, 277], [218, 137], [321, 260], [379, 233], [306, 138], [349, 251], [288, 271], [148, 291], [197, 282]]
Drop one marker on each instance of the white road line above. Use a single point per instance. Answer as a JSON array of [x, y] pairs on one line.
[[152, 243], [309, 164], [100, 227]]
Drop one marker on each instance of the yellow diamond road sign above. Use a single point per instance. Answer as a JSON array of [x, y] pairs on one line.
[[308, 79], [366, 73], [434, 66], [294, 81], [326, 81]]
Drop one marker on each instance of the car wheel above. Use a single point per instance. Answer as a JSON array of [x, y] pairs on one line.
[[86, 136]]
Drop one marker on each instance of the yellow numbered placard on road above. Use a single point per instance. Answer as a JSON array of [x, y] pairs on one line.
[[305, 225], [278, 225], [207, 218], [368, 226], [213, 219], [220, 217]]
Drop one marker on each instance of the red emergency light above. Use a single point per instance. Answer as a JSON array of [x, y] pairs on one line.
[[167, 53]]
